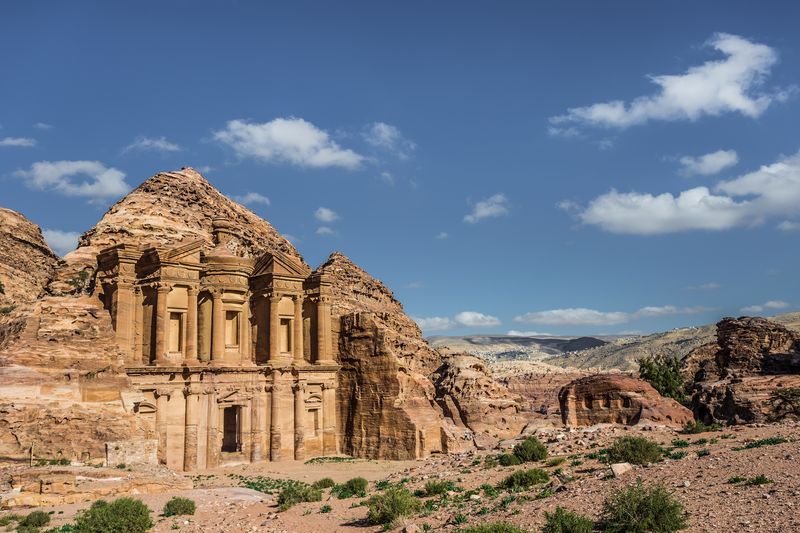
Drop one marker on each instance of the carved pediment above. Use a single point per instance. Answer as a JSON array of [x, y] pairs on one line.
[[185, 253], [278, 264]]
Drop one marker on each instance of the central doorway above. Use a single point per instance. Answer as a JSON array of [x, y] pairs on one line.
[[232, 429]]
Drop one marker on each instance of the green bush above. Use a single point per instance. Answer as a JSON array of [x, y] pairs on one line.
[[760, 479], [563, 521], [507, 459], [698, 426], [634, 450], [7, 519], [123, 515], [436, 488], [297, 492], [640, 509], [35, 520], [531, 449], [392, 504], [324, 483], [352, 487], [523, 479], [664, 374], [494, 527], [325, 509], [179, 506]]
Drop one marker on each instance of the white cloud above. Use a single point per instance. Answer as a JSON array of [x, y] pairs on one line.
[[325, 230], [21, 142], [323, 214], [61, 242], [414, 285], [252, 198], [387, 178], [434, 323], [389, 138], [771, 191], [152, 144], [473, 319], [43, 126], [99, 182], [516, 333], [494, 206], [581, 316], [442, 235], [729, 85], [788, 225], [708, 164], [766, 306], [287, 140], [704, 287]]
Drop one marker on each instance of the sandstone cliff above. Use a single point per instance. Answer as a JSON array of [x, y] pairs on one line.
[[750, 374], [387, 405]]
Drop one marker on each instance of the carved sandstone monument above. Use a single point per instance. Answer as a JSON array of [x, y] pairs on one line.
[[184, 330], [618, 399]]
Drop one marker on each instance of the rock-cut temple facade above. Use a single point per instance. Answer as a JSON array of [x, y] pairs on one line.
[[230, 357]]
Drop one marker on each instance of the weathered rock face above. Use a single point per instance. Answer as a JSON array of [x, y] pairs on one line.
[[618, 399], [26, 261], [166, 209], [26, 267], [473, 399], [386, 401], [747, 374]]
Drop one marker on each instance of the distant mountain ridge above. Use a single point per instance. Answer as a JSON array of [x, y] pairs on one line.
[[513, 347]]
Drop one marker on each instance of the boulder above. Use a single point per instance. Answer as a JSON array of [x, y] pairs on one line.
[[618, 399], [751, 374]]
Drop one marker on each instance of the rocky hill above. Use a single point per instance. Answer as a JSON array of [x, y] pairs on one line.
[[513, 347], [164, 210], [622, 354]]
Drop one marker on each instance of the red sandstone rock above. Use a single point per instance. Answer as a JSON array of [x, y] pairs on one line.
[[618, 399]]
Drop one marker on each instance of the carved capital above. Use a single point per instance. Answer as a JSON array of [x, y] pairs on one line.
[[164, 392]]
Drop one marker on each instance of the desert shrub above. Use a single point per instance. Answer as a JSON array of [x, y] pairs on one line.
[[676, 455], [703, 452], [490, 461], [680, 443], [508, 459], [523, 479], [494, 527], [352, 487], [34, 520], [771, 441], [392, 504], [760, 479], [698, 426], [634, 450], [489, 490], [297, 492], [786, 400], [6, 310], [563, 521], [555, 461], [324, 483], [179, 506], [664, 374], [325, 509], [736, 479], [640, 509], [531, 449], [123, 515], [7, 519], [436, 488]]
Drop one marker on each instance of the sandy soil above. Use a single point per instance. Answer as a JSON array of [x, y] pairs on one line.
[[700, 482]]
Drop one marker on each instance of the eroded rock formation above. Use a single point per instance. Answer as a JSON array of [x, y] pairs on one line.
[[618, 399], [748, 375]]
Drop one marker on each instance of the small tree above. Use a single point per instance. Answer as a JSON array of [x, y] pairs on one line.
[[640, 509], [664, 374], [634, 450], [563, 521], [394, 503], [179, 506], [531, 449], [123, 515]]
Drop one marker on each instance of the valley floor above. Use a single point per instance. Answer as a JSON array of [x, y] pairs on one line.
[[580, 482]]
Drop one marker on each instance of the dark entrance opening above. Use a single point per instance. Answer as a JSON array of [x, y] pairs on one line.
[[231, 436]]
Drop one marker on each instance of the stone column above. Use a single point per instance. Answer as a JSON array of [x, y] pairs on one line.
[[255, 437], [330, 445], [297, 337], [274, 329], [323, 333], [299, 421], [190, 430], [161, 357], [162, 401], [275, 418], [261, 329], [191, 327], [245, 347], [138, 325], [212, 444], [217, 329], [124, 300]]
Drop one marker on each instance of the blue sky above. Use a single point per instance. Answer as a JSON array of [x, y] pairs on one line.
[[565, 168]]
